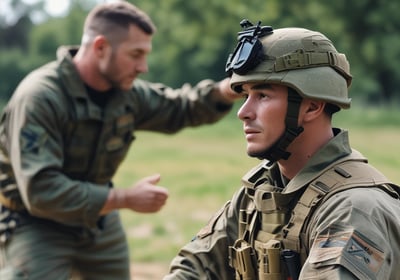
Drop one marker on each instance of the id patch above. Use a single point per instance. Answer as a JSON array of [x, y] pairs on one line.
[[349, 249], [33, 138]]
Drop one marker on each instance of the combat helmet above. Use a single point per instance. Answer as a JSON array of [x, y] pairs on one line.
[[305, 61]]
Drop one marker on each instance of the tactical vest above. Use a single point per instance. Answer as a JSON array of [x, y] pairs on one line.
[[273, 224]]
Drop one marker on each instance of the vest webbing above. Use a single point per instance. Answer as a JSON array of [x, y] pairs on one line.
[[349, 173], [346, 175]]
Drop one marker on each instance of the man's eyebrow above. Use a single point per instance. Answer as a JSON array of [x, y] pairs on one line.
[[138, 51], [261, 86]]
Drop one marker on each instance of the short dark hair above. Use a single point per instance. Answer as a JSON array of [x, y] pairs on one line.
[[105, 19]]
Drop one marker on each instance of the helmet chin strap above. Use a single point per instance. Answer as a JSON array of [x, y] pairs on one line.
[[278, 150]]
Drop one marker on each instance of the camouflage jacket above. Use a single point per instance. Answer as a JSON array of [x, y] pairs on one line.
[[59, 150]]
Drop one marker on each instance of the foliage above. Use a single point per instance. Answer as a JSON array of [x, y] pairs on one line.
[[194, 38], [46, 38], [14, 65], [16, 35]]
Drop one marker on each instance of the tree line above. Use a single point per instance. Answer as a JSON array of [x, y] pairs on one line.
[[194, 38]]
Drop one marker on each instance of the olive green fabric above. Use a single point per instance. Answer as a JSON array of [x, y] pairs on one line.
[[304, 60], [59, 150], [54, 135], [41, 249], [350, 218]]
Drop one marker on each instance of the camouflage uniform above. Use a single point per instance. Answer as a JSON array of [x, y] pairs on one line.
[[58, 153], [352, 235]]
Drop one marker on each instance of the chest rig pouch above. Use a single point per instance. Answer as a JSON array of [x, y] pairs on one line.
[[263, 213], [272, 224]]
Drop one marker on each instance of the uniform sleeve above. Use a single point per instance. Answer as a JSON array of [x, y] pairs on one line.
[[354, 235], [33, 121], [161, 108], [207, 255]]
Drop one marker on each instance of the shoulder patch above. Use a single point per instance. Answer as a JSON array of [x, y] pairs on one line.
[[348, 249], [32, 139]]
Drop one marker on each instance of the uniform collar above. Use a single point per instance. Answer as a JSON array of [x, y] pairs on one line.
[[75, 87], [336, 150], [68, 72]]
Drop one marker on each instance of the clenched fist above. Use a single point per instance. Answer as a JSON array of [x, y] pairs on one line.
[[145, 196]]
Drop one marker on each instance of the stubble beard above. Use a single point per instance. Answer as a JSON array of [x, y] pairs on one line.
[[110, 71]]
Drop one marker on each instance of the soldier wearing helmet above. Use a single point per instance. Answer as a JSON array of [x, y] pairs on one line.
[[314, 208]]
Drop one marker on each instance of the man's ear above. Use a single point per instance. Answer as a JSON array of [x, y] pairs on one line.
[[100, 45], [313, 109]]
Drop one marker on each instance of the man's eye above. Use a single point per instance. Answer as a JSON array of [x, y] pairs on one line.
[[262, 96], [136, 55]]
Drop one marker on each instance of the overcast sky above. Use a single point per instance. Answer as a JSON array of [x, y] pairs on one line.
[[53, 7]]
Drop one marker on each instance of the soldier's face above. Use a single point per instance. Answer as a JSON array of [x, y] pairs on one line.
[[263, 115], [127, 59]]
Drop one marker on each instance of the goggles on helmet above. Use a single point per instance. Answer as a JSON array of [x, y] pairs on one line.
[[248, 52]]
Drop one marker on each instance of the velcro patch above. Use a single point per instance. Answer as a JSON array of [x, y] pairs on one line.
[[365, 252], [32, 139], [349, 249]]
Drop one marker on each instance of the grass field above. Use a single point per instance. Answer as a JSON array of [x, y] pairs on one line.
[[202, 168]]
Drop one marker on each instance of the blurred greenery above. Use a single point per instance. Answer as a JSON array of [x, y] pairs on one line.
[[194, 38]]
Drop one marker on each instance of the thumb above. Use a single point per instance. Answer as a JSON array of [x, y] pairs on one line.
[[153, 179]]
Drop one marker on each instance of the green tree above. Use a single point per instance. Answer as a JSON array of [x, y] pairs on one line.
[[16, 36], [33, 45], [194, 38], [14, 65], [372, 33], [15, 28], [48, 36]]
